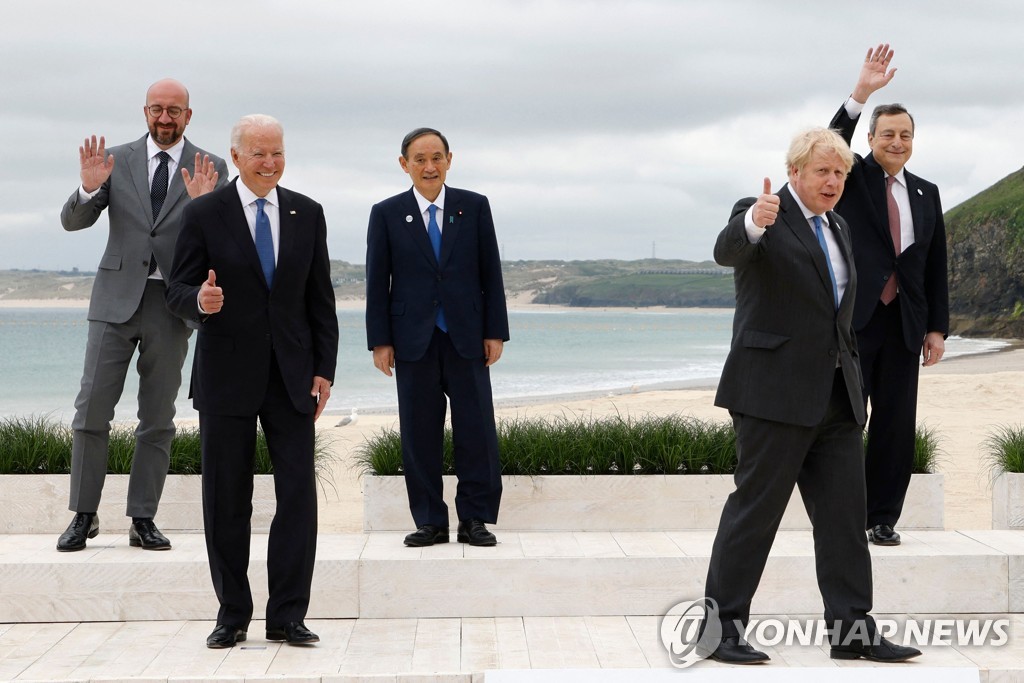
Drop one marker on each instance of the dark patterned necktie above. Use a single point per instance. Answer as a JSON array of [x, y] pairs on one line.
[[158, 192], [157, 195]]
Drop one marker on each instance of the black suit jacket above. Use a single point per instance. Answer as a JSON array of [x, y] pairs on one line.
[[920, 269], [405, 283], [296, 319], [787, 334]]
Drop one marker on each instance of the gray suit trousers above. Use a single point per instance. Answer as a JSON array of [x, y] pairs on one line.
[[162, 341]]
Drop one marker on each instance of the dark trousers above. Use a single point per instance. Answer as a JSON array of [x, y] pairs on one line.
[[422, 388], [890, 388], [229, 447], [162, 341], [826, 462]]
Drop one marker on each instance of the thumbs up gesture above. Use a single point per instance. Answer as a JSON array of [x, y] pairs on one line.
[[766, 208], [211, 297]]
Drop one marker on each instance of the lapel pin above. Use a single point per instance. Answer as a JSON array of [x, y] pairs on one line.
[[451, 220], [919, 192], [408, 219], [292, 213]]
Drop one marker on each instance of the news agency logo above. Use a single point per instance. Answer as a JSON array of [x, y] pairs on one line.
[[692, 631], [683, 636]]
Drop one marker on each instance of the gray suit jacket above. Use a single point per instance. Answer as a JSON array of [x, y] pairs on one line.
[[787, 334], [134, 236]]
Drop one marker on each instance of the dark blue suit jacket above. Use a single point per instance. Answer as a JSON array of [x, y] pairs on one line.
[[405, 283], [296, 319], [920, 269]]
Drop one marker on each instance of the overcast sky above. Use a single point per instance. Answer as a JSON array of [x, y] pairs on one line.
[[599, 129]]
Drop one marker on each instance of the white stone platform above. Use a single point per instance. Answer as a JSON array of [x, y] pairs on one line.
[[590, 649], [622, 503], [556, 574]]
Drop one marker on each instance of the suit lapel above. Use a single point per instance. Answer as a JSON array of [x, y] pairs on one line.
[[845, 242], [452, 222], [794, 219], [414, 226], [233, 215], [874, 177], [916, 195], [138, 164], [288, 218], [176, 186]]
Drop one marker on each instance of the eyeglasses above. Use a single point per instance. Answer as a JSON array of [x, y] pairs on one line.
[[156, 111]]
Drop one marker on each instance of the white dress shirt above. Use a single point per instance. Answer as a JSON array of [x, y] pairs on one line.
[[424, 205]]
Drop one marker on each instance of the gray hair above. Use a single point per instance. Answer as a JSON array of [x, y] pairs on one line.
[[252, 121], [894, 109]]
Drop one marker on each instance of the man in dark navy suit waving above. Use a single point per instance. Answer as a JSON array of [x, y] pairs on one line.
[[435, 312], [902, 311]]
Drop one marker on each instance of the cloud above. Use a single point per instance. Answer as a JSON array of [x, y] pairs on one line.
[[596, 127]]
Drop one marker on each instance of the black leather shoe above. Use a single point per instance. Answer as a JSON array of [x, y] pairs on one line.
[[474, 532], [883, 534], [428, 534], [884, 651], [294, 633], [144, 534], [224, 636], [83, 526], [732, 650]]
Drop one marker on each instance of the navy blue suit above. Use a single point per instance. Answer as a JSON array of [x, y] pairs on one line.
[[405, 284], [890, 337]]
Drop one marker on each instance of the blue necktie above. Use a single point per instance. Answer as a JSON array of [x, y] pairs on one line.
[[824, 247], [264, 242], [434, 233]]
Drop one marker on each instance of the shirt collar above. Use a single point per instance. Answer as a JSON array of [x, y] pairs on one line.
[[249, 197], [424, 203], [175, 152], [900, 178], [808, 214]]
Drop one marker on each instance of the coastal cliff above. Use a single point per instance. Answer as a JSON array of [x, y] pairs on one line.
[[985, 239]]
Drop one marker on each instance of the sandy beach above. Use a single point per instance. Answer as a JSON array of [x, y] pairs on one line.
[[963, 399]]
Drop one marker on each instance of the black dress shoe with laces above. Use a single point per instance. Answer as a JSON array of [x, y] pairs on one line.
[[225, 636], [428, 534], [293, 633], [84, 525], [883, 534], [883, 651], [144, 534], [474, 532], [732, 650]]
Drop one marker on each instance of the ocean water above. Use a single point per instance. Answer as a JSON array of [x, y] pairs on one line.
[[552, 353]]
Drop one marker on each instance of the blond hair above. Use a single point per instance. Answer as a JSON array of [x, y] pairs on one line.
[[806, 142]]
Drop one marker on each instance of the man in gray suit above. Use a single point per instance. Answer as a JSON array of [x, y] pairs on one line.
[[145, 194], [792, 385]]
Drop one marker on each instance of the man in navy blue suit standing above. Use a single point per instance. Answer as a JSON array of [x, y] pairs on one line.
[[436, 313]]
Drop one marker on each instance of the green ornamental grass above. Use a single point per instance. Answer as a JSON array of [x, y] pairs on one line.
[[583, 445], [40, 445], [1005, 450]]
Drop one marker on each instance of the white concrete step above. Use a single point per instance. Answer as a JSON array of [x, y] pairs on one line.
[[526, 574], [611, 649]]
